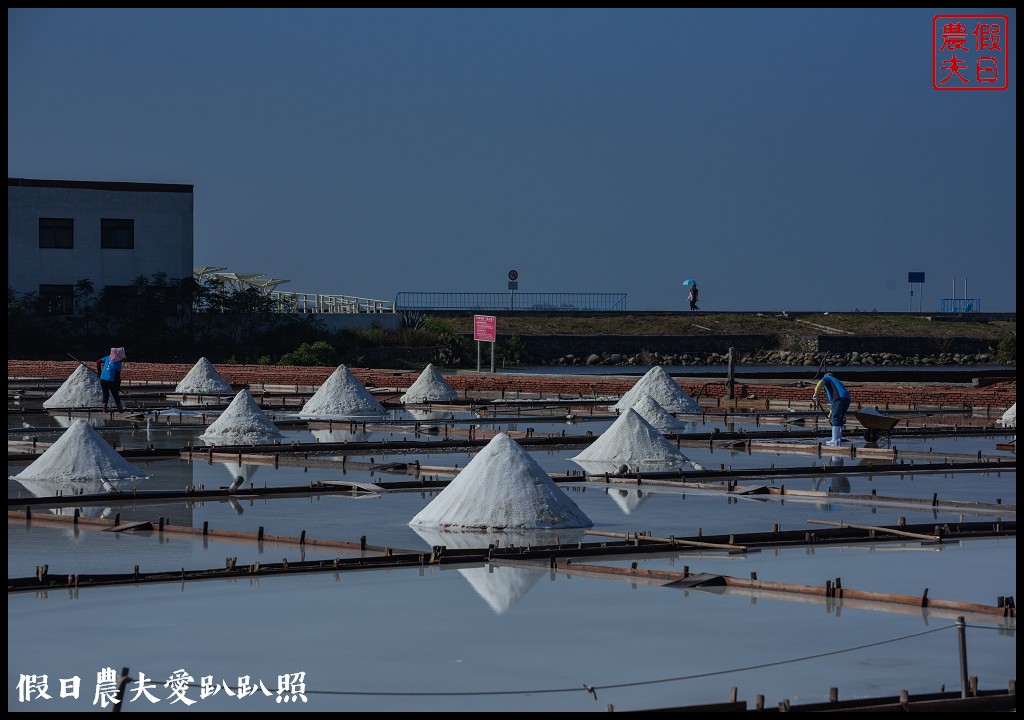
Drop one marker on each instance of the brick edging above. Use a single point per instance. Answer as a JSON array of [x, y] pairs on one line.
[[996, 395]]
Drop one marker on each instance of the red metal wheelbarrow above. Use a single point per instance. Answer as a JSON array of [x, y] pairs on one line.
[[875, 424]]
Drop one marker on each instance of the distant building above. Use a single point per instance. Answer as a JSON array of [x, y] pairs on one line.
[[62, 231]]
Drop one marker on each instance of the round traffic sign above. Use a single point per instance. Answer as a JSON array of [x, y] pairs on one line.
[[513, 275]]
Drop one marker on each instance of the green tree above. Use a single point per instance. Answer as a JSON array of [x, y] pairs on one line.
[[316, 353], [1006, 353]]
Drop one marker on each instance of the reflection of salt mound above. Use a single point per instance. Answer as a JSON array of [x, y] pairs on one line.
[[628, 500], [342, 395], [81, 390], [243, 470], [482, 539], [49, 488], [661, 420], [420, 414], [203, 379], [80, 454], [500, 586], [430, 386], [337, 436], [632, 441], [1009, 418], [501, 488], [66, 421], [242, 423], [663, 389]]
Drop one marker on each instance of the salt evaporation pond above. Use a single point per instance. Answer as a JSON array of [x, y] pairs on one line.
[[442, 634]]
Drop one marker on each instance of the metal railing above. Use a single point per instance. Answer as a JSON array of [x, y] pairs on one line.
[[959, 305], [292, 302], [526, 302]]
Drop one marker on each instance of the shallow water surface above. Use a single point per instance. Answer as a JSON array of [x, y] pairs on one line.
[[509, 636]]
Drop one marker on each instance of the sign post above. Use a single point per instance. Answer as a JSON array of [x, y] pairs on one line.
[[485, 329], [513, 285]]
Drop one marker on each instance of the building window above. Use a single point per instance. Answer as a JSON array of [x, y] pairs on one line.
[[57, 299], [117, 234], [57, 233]]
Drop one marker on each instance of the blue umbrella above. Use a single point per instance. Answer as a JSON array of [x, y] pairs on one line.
[[689, 282]]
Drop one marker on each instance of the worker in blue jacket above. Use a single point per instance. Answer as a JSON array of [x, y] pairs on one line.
[[839, 401], [109, 369]]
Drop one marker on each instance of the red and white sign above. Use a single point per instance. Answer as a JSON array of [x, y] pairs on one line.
[[485, 328]]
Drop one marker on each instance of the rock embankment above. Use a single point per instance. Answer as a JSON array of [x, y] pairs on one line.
[[770, 357]]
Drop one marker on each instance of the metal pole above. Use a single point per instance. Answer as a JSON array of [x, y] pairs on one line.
[[731, 382], [478, 356], [961, 633], [121, 685], [492, 356]]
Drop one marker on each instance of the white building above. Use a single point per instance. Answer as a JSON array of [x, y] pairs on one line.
[[110, 233]]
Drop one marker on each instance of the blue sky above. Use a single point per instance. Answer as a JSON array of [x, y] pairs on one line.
[[785, 159]]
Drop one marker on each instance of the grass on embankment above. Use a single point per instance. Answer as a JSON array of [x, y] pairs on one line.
[[724, 323]]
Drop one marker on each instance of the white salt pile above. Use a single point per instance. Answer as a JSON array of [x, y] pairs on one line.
[[660, 419], [79, 455], [430, 386], [629, 499], [342, 395], [501, 586], [203, 379], [502, 488], [633, 442], [242, 423], [659, 385], [1009, 418], [81, 390]]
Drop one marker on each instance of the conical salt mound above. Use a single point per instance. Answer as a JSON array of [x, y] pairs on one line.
[[1009, 418], [342, 395], [502, 488], [661, 420], [203, 379], [663, 389], [242, 423], [632, 441], [430, 386], [80, 455], [81, 390]]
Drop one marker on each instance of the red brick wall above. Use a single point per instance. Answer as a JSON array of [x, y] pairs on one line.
[[998, 395]]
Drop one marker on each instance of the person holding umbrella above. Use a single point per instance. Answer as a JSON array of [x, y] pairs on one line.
[[693, 293]]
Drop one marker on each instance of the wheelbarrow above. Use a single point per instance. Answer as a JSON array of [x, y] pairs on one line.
[[875, 424]]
